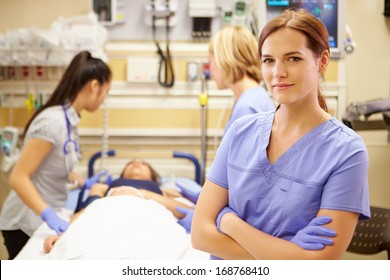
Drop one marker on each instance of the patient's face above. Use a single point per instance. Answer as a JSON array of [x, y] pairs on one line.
[[137, 169]]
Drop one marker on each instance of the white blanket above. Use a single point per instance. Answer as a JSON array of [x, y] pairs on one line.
[[118, 227]]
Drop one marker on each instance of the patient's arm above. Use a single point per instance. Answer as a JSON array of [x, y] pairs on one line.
[[49, 243], [168, 202], [96, 189], [52, 239], [171, 193]]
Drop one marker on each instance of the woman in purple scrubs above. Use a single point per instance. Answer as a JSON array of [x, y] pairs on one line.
[[275, 172]]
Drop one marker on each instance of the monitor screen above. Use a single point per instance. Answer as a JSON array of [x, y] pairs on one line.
[[330, 12]]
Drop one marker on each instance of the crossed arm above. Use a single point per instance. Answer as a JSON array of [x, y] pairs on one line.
[[242, 241]]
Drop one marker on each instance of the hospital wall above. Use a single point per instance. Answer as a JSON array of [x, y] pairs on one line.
[[148, 121]]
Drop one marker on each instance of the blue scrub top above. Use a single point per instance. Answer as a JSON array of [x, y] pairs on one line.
[[326, 169], [251, 101]]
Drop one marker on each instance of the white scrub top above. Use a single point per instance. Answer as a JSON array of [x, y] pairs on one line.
[[251, 101], [51, 176], [326, 169]]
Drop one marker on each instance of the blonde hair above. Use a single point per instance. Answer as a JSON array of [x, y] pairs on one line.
[[235, 51]]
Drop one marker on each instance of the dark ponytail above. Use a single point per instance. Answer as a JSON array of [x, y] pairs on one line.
[[82, 69]]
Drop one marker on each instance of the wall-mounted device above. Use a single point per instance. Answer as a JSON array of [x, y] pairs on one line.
[[192, 71], [202, 11], [142, 69], [240, 12], [9, 141], [331, 12], [349, 44], [161, 11], [108, 11]]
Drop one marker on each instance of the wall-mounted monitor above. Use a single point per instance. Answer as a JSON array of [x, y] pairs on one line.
[[108, 12], [331, 12]]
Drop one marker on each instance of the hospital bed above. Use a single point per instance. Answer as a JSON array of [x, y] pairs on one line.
[[147, 230], [369, 115]]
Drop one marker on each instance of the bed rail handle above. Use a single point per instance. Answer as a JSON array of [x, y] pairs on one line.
[[93, 158], [191, 157]]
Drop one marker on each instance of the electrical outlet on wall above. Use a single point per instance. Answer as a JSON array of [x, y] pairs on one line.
[[192, 71]]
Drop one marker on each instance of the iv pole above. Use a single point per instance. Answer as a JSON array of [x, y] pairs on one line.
[[203, 100]]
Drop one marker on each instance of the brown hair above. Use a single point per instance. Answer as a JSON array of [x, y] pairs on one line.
[[310, 26], [82, 69], [155, 176]]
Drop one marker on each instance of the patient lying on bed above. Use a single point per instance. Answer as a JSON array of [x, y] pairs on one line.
[[125, 222], [123, 226], [140, 175]]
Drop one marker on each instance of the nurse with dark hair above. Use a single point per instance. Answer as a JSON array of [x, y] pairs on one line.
[[44, 169]]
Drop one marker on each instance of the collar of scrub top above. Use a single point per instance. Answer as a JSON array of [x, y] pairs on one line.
[[72, 119]]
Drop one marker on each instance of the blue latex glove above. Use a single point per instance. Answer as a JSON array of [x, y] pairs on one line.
[[220, 215], [108, 180], [187, 220], [88, 183], [53, 221], [189, 190], [312, 237]]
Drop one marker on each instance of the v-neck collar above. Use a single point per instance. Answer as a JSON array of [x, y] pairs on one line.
[[270, 170]]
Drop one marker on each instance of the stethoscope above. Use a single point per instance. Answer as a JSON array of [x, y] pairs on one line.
[[67, 148], [69, 141]]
